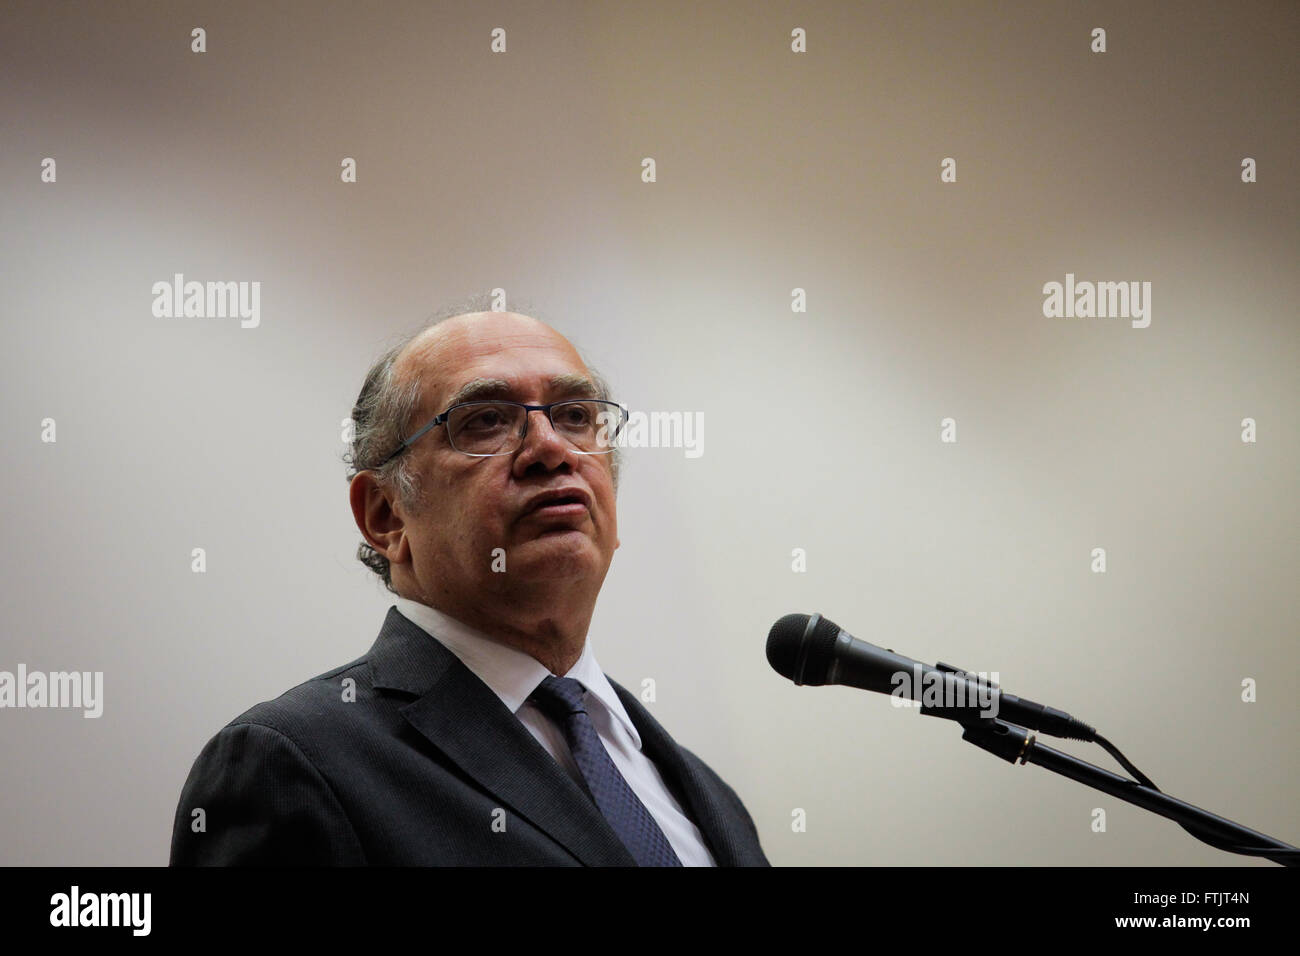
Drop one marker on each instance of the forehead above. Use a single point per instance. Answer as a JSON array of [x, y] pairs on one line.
[[528, 355]]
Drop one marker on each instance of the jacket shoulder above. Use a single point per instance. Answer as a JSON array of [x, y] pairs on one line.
[[302, 712], [259, 793]]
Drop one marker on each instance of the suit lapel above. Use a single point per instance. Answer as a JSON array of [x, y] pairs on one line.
[[701, 800], [463, 718]]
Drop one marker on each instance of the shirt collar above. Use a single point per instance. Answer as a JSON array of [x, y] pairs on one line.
[[510, 673]]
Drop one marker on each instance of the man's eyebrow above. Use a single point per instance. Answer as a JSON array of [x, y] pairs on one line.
[[484, 389], [571, 383], [480, 388]]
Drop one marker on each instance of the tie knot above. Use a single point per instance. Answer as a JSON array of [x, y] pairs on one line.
[[560, 696]]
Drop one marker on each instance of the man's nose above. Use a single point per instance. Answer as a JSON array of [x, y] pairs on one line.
[[541, 443]]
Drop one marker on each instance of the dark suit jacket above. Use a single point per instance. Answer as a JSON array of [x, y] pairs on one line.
[[414, 772]]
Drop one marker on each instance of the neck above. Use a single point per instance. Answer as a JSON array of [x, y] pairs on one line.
[[549, 627]]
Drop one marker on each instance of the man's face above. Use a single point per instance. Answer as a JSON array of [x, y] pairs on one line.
[[469, 507]]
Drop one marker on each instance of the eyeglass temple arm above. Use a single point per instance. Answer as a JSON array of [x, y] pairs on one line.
[[414, 438]]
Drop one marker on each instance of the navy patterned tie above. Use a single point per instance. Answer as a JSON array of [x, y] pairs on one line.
[[560, 698]]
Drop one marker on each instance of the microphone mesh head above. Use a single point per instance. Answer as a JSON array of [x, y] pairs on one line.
[[805, 660], [783, 642], [819, 653]]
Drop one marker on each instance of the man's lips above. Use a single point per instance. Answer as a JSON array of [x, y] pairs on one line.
[[558, 503], [558, 511]]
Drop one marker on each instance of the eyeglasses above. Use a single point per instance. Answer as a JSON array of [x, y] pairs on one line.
[[484, 429]]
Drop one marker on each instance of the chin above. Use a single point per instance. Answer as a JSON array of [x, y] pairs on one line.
[[562, 553]]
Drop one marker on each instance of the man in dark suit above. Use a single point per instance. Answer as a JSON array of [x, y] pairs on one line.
[[479, 728]]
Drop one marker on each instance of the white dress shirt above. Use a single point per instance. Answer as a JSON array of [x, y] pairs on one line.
[[513, 676]]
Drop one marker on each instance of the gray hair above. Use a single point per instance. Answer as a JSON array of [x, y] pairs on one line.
[[381, 419]]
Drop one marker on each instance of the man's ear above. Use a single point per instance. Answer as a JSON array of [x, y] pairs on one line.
[[377, 519]]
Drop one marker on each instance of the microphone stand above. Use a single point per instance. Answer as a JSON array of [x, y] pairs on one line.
[[1012, 743]]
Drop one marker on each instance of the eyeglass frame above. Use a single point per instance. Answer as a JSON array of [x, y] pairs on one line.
[[528, 409]]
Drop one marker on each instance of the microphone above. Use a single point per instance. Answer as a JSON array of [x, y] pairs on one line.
[[812, 650]]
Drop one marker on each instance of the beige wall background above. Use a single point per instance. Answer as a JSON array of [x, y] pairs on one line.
[[775, 171]]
